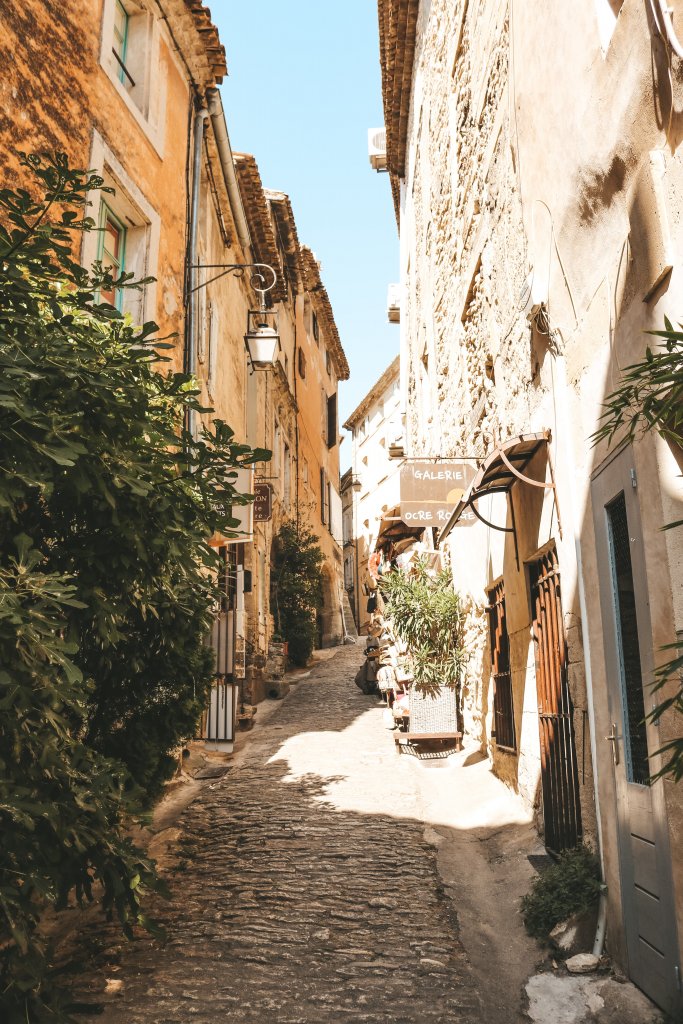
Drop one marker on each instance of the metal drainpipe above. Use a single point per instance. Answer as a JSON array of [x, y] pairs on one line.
[[200, 119], [220, 132]]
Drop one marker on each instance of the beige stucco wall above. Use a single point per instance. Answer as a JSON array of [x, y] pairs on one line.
[[529, 147], [377, 477]]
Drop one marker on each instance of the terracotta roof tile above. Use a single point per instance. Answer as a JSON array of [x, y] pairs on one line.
[[214, 49], [313, 284], [397, 34], [257, 212], [289, 237]]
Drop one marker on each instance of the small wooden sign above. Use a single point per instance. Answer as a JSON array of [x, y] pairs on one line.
[[263, 503], [431, 490]]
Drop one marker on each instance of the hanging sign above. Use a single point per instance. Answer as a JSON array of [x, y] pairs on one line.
[[431, 490], [263, 503]]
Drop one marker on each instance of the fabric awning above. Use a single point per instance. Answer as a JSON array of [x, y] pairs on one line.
[[393, 530], [497, 475]]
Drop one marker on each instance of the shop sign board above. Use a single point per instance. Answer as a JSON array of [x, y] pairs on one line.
[[263, 503], [431, 490]]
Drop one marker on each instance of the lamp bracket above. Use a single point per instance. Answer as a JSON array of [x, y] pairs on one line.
[[262, 278]]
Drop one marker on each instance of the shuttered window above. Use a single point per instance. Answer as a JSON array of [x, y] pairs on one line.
[[332, 421], [111, 253], [324, 498]]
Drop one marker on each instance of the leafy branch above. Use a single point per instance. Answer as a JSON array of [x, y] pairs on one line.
[[428, 616]]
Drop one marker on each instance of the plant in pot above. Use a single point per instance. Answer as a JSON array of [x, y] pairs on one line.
[[296, 588], [428, 616]]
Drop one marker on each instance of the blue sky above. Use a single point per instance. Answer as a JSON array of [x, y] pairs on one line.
[[302, 91]]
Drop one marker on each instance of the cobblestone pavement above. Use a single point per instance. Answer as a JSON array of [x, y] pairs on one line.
[[306, 893]]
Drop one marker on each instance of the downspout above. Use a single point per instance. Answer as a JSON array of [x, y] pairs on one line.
[[200, 119], [220, 132]]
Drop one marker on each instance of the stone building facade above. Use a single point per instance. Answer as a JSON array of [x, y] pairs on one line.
[[536, 176], [115, 90], [129, 88], [374, 484], [292, 412]]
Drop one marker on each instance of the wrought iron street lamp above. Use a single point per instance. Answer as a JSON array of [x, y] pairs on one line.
[[262, 339]]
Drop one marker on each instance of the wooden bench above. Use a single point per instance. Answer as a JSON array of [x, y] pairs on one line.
[[404, 738]]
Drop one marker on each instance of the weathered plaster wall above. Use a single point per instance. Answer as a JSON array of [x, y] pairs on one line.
[[60, 92], [529, 150], [312, 391]]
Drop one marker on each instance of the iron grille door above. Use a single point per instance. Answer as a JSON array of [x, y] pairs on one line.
[[503, 711], [218, 720], [559, 774]]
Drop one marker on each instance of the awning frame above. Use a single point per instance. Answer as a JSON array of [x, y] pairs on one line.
[[504, 453]]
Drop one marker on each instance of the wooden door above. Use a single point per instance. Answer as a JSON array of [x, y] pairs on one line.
[[642, 831], [559, 774]]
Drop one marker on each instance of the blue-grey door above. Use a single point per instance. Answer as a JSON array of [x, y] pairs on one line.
[[643, 836]]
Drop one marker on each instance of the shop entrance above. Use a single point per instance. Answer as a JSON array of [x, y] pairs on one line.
[[642, 830], [559, 775]]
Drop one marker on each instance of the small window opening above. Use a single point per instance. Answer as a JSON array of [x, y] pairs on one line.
[[112, 252], [120, 42]]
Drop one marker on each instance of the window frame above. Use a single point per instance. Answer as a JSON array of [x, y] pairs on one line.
[[107, 215], [123, 72]]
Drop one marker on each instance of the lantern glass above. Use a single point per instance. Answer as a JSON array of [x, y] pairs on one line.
[[262, 339]]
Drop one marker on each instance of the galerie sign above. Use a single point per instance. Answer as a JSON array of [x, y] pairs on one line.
[[431, 490]]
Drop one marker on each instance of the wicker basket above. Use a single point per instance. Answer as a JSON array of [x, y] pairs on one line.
[[433, 712]]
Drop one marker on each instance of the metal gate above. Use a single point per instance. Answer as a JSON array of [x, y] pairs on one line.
[[218, 721], [559, 774]]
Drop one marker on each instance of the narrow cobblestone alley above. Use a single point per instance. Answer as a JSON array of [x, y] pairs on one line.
[[307, 892]]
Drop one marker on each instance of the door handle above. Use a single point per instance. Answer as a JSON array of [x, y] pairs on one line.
[[614, 740]]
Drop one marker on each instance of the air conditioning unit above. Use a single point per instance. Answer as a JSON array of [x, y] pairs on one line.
[[394, 304], [377, 148]]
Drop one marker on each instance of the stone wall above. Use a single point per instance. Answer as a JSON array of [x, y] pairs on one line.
[[543, 170]]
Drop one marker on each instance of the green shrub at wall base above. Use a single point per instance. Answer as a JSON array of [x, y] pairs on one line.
[[567, 887]]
